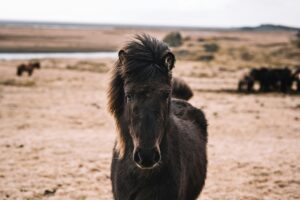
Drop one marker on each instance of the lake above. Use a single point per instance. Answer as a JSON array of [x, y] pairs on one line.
[[21, 56]]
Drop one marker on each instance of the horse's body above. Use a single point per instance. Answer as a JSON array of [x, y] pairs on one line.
[[29, 68], [281, 79], [160, 152], [278, 79]]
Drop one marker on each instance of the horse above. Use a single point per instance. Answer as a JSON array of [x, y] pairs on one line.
[[278, 79], [28, 68], [160, 150], [180, 89]]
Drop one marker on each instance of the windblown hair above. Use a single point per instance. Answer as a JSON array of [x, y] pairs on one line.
[[144, 57]]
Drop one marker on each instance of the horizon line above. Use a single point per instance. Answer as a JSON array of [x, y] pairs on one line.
[[70, 23]]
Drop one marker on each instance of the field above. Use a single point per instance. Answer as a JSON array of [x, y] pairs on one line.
[[56, 136]]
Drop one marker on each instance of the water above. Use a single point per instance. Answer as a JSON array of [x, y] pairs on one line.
[[21, 56]]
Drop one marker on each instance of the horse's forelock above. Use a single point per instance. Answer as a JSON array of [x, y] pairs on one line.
[[143, 52]]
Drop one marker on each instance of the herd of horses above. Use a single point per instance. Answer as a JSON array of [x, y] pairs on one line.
[[270, 79]]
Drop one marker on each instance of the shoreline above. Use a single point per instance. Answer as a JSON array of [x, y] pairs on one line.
[[54, 51]]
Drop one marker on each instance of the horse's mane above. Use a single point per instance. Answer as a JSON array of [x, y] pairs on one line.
[[140, 59], [181, 90]]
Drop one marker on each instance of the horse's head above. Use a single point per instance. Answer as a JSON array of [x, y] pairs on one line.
[[145, 70]]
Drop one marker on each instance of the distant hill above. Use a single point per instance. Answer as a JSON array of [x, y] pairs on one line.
[[270, 27]]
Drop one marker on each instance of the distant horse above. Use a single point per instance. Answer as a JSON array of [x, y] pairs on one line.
[[160, 151], [277, 79], [181, 90], [29, 68]]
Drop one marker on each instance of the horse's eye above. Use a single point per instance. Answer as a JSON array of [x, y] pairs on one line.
[[165, 95], [129, 97]]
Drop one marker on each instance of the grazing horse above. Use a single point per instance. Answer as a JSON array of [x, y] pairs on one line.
[[278, 79], [28, 68], [181, 90], [160, 151]]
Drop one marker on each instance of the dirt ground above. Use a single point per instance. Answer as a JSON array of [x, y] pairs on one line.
[[56, 136]]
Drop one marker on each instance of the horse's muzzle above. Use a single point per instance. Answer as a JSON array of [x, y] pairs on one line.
[[146, 158]]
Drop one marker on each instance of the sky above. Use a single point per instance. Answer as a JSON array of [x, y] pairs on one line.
[[202, 13]]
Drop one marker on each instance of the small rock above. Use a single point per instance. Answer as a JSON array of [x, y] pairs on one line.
[[49, 192], [174, 39]]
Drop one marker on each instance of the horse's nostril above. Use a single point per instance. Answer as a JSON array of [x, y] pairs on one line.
[[156, 156], [137, 158]]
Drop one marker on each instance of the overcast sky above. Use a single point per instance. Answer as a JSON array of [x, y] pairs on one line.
[[209, 13]]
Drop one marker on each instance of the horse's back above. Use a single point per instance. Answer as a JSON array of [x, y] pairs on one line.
[[188, 113]]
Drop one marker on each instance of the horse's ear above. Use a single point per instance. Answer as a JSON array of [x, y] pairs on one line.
[[122, 55], [169, 60]]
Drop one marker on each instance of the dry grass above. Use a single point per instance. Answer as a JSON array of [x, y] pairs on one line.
[[18, 83], [89, 66], [241, 50]]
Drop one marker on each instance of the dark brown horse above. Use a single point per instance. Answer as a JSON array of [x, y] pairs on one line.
[[181, 90], [29, 68], [160, 151], [272, 79]]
